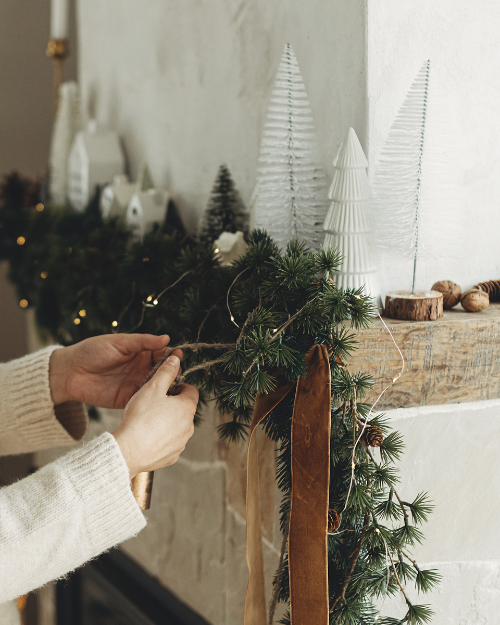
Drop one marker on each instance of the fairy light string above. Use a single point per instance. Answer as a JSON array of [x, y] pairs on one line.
[[388, 558], [394, 380]]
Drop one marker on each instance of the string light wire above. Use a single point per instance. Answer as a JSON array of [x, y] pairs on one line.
[[394, 380]]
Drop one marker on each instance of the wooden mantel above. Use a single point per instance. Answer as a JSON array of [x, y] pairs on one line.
[[453, 359]]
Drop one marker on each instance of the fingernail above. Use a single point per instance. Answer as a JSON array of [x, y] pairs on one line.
[[173, 360]]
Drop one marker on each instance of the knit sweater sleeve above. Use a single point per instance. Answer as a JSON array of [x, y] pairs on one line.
[[65, 514], [29, 421]]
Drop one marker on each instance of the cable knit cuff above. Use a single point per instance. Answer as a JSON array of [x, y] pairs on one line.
[[28, 419], [101, 477]]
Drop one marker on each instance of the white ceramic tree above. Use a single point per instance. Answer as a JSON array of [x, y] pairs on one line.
[[67, 124], [347, 223], [291, 185]]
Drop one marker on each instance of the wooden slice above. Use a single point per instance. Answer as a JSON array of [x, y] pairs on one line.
[[418, 306]]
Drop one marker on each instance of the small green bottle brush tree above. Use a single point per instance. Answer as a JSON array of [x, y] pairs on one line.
[[240, 326]]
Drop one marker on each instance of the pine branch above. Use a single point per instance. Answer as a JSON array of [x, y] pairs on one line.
[[342, 590]]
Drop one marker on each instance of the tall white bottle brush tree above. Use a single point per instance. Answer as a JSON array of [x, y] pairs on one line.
[[290, 198]]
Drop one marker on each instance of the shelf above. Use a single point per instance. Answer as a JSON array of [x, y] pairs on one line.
[[453, 359]]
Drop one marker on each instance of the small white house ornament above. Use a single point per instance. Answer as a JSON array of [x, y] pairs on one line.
[[116, 196], [96, 157], [230, 246], [145, 209]]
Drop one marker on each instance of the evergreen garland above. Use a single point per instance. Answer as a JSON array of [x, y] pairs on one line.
[[239, 326], [225, 211]]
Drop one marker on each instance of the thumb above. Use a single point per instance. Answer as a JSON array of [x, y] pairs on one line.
[[166, 373]]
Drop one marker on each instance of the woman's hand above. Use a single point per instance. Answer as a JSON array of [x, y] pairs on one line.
[[104, 371], [156, 426]]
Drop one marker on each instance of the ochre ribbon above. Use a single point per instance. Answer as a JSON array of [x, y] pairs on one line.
[[307, 552]]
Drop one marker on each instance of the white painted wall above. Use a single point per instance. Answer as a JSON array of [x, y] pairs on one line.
[[461, 40], [187, 83], [451, 453]]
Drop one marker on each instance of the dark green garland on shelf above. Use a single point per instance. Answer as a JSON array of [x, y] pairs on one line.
[[259, 315]]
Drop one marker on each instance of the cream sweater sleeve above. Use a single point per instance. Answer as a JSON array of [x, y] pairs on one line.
[[28, 419], [71, 510], [65, 514]]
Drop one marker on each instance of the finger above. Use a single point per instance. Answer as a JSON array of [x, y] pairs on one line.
[[166, 374], [157, 354], [179, 353], [188, 392], [135, 343]]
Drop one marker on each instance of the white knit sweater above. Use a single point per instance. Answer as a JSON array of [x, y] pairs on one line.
[[71, 510]]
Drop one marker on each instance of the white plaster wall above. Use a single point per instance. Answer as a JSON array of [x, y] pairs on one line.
[[187, 83], [461, 40], [452, 453]]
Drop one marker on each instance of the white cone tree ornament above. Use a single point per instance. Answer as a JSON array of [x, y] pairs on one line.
[[291, 185], [347, 223], [66, 125]]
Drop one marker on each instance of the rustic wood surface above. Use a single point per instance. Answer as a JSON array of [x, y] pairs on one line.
[[418, 306], [453, 359]]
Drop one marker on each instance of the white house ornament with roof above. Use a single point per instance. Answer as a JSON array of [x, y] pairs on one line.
[[230, 246], [96, 157], [116, 196], [145, 209]]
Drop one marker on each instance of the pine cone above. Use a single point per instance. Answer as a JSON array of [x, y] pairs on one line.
[[333, 520], [372, 436], [492, 287]]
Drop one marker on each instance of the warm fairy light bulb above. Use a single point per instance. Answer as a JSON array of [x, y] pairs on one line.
[[232, 318], [145, 259], [377, 530], [23, 303], [149, 298], [114, 323], [44, 274], [155, 302], [21, 240], [76, 321], [216, 251], [39, 207], [83, 313]]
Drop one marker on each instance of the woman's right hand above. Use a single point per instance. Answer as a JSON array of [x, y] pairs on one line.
[[156, 426]]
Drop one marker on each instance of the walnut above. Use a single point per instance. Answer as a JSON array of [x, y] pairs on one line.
[[451, 292], [475, 300]]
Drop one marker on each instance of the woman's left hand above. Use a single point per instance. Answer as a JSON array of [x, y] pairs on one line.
[[104, 371]]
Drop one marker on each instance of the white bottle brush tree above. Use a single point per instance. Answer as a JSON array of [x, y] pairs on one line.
[[347, 223], [415, 185], [290, 196]]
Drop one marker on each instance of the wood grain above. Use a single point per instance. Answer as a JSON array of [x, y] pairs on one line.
[[453, 359], [417, 306]]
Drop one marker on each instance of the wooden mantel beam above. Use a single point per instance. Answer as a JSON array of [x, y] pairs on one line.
[[453, 359]]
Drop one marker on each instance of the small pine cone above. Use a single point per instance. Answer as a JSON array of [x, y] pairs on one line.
[[492, 287], [333, 520], [372, 436]]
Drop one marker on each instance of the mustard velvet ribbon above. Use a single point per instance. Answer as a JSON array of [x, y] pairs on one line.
[[307, 547]]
